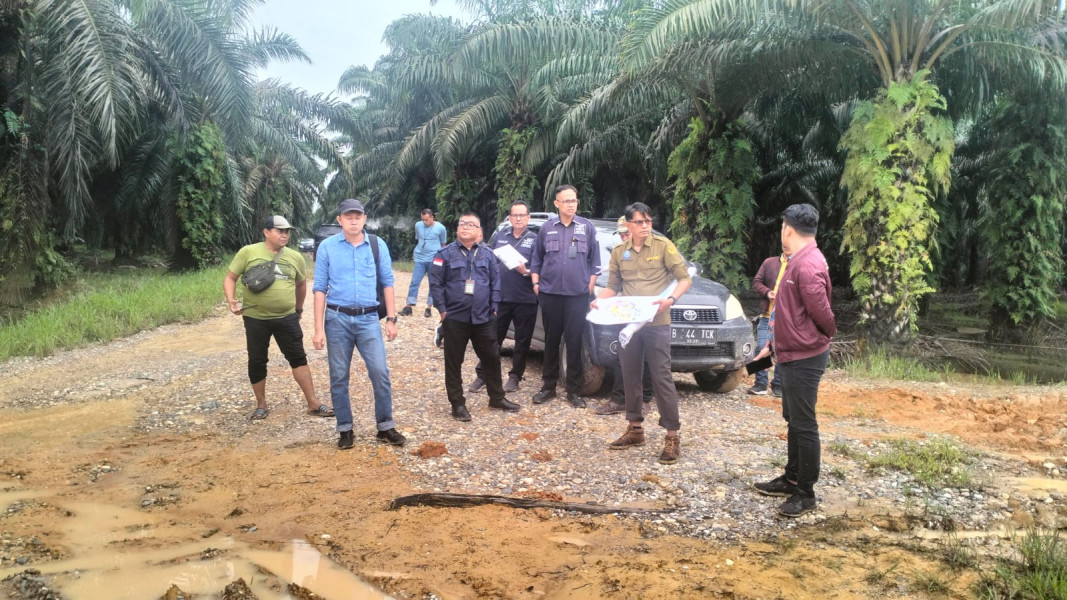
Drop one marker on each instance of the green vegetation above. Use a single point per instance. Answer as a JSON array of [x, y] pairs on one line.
[[934, 463], [104, 307], [880, 364], [1041, 574]]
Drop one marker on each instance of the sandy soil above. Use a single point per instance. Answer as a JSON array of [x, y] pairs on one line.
[[209, 490]]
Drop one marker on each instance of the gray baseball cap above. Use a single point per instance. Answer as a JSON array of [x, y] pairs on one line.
[[276, 222]]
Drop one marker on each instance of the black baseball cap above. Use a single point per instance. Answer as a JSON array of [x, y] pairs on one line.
[[351, 205]]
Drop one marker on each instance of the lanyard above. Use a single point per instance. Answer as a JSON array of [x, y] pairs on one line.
[[470, 256]]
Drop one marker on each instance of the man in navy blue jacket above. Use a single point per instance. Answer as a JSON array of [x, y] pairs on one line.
[[465, 284]]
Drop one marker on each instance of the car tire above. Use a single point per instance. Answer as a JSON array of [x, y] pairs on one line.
[[719, 382], [592, 375]]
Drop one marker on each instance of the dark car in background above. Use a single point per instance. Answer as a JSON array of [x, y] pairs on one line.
[[306, 244], [710, 335], [322, 232]]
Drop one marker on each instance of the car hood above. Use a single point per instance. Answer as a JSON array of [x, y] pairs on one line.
[[705, 291]]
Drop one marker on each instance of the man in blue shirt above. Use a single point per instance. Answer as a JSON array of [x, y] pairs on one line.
[[564, 267], [518, 302], [429, 238], [346, 317], [465, 284]]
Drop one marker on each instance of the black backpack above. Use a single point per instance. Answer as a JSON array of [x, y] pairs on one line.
[[382, 311]]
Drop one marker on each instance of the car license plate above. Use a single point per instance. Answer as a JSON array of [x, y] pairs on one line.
[[692, 335]]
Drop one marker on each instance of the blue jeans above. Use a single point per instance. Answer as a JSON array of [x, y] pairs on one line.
[[343, 334], [763, 335], [417, 272]]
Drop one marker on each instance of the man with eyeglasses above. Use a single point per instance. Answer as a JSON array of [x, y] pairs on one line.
[[518, 303], [564, 267], [465, 284], [645, 266]]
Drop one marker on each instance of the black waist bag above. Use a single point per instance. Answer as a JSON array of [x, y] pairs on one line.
[[261, 276]]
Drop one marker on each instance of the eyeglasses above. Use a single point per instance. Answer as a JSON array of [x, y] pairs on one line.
[[640, 222], [519, 215], [470, 224]]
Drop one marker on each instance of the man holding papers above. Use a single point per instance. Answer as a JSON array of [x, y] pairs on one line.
[[645, 266], [518, 303]]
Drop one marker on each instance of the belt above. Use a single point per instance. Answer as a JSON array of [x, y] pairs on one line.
[[352, 312]]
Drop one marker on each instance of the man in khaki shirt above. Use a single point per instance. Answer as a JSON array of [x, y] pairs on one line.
[[645, 266]]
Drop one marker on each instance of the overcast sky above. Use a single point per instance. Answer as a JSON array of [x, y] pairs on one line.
[[337, 34]]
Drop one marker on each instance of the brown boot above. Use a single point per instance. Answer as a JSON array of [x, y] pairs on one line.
[[672, 450], [634, 436]]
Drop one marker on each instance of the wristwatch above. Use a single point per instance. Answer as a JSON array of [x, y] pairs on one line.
[[390, 319], [672, 299]]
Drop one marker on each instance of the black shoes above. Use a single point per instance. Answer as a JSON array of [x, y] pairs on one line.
[[439, 337], [796, 505], [405, 312], [544, 396], [476, 385], [345, 441], [513, 383], [505, 404], [427, 313], [460, 413], [575, 400], [391, 436], [779, 486], [776, 392]]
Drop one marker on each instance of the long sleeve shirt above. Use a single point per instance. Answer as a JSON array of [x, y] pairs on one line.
[[804, 323]]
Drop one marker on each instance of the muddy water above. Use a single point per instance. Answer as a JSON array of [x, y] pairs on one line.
[[124, 554]]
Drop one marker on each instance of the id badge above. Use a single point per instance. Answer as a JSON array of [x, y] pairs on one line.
[[468, 288], [572, 252]]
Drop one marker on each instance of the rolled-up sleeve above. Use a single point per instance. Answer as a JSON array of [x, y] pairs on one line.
[[385, 264]]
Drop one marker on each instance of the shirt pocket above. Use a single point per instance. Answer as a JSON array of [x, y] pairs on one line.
[[552, 244], [582, 245], [457, 268]]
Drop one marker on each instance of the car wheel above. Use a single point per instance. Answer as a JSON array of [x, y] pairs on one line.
[[718, 382], [592, 375]]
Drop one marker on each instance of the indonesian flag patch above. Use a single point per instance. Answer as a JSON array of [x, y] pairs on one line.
[[438, 261]]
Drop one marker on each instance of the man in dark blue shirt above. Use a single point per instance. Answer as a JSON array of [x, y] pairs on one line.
[[564, 267], [465, 284], [518, 303]]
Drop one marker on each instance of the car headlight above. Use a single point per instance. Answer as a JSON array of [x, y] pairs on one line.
[[733, 308]]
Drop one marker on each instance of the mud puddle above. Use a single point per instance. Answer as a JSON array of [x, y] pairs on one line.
[[117, 553]]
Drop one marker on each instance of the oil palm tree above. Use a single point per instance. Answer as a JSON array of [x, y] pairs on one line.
[[899, 145]]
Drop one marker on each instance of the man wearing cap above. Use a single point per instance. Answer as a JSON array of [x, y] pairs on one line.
[[429, 238], [274, 311], [564, 267], [346, 318], [465, 284], [518, 303]]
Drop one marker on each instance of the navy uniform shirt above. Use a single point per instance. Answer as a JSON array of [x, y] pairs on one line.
[[566, 257], [452, 266], [514, 286]]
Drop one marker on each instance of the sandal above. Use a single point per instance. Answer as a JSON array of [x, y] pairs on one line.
[[321, 411], [259, 414]]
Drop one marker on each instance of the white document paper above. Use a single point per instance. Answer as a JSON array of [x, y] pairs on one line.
[[509, 256], [634, 311]]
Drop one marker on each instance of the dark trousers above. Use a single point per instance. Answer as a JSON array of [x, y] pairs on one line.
[[618, 388], [456, 334], [287, 334], [564, 320], [650, 345], [524, 317], [800, 391]]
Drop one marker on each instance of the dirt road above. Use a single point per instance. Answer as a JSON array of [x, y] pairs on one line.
[[131, 467]]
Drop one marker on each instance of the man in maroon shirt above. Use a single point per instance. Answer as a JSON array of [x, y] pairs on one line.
[[801, 325]]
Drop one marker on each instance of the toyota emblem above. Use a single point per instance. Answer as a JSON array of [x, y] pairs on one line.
[[690, 315]]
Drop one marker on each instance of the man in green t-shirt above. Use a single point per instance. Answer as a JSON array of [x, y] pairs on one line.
[[274, 311]]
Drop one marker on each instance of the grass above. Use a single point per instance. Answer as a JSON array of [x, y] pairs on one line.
[[936, 463], [406, 266], [106, 306], [844, 449], [880, 365], [1041, 574]]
